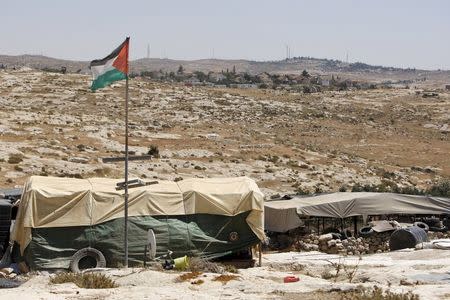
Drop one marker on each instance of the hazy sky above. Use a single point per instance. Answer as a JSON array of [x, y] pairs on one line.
[[405, 33]]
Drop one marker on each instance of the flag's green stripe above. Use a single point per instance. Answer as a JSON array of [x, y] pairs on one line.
[[107, 78]]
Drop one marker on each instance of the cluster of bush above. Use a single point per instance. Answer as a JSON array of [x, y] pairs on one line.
[[439, 189]]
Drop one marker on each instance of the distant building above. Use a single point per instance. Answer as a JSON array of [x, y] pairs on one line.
[[193, 81], [215, 77], [244, 85], [325, 82], [265, 78]]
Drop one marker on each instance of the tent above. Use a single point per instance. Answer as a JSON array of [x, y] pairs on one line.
[[284, 215], [194, 217]]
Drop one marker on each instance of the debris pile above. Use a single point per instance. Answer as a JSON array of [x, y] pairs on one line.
[[7, 273], [378, 241], [332, 244], [438, 235]]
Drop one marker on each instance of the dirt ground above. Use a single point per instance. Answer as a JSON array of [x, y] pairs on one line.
[[285, 141], [422, 272], [52, 125]]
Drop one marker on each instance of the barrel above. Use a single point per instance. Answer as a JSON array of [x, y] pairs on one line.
[[407, 238]]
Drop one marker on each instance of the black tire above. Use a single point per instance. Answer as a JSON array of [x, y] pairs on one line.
[[439, 229], [330, 230], [89, 258], [366, 231], [6, 258], [422, 225], [336, 236]]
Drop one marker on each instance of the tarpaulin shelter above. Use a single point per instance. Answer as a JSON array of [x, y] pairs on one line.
[[284, 215], [58, 216]]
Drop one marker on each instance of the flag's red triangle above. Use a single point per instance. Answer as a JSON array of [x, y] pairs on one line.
[[121, 62]]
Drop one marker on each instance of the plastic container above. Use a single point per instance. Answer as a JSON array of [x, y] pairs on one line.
[[181, 263], [288, 279]]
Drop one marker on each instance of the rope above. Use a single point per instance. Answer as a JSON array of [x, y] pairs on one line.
[[90, 213], [189, 239]]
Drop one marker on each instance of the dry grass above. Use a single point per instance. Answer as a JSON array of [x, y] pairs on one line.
[[197, 264], [197, 282], [360, 293], [87, 281], [377, 294], [224, 278], [188, 276]]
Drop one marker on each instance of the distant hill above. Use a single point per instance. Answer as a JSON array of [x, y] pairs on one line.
[[41, 62], [292, 66]]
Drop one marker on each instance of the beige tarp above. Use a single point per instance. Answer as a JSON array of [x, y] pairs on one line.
[[283, 215], [60, 202]]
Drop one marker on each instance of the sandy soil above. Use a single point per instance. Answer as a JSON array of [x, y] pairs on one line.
[[424, 272]]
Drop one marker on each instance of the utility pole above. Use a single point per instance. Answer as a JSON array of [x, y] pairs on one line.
[[148, 50]]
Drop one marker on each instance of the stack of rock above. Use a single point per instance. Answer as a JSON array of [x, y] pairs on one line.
[[438, 235], [308, 243], [7, 273], [329, 243], [378, 241]]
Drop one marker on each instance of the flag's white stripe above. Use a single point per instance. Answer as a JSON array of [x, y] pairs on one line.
[[100, 70]]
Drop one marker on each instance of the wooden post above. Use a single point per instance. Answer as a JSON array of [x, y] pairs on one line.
[[260, 253]]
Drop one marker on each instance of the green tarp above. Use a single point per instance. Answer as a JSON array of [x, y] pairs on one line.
[[193, 235]]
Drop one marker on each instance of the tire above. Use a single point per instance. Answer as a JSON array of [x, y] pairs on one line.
[[422, 225], [6, 258], [88, 257], [336, 236], [366, 231], [330, 230], [439, 229]]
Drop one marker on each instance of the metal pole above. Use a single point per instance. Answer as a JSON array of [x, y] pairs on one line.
[[126, 176]]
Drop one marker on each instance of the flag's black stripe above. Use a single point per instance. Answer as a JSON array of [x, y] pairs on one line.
[[100, 62]]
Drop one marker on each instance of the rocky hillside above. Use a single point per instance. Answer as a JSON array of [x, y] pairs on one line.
[[52, 124]]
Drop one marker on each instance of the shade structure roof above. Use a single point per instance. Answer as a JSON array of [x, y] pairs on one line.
[[284, 215]]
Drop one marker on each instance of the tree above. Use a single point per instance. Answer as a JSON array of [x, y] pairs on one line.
[[180, 70], [305, 73], [201, 76]]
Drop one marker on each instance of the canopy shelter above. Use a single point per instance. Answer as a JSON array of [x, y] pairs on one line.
[[57, 216], [284, 215]]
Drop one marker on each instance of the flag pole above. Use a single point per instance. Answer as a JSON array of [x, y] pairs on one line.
[[126, 170]]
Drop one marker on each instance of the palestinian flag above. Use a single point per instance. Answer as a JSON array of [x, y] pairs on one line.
[[112, 68]]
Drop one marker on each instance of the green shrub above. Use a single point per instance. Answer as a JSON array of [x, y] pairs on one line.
[[343, 188], [153, 150], [15, 158], [441, 189]]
